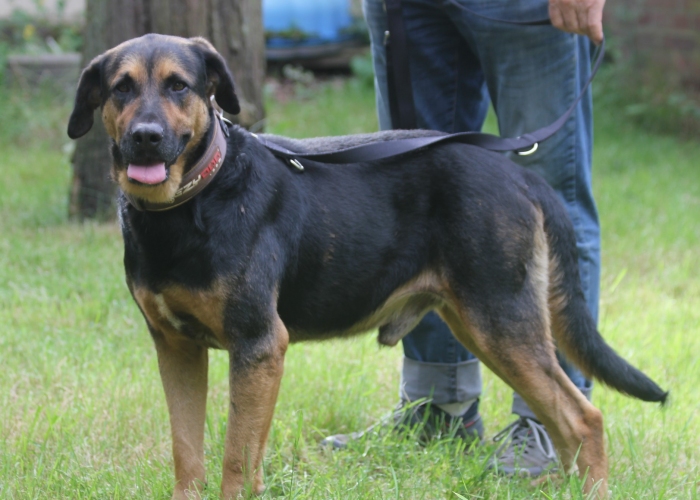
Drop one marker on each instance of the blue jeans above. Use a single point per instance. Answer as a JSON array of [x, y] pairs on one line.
[[531, 74]]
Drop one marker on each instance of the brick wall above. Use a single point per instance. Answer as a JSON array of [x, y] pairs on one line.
[[661, 38]]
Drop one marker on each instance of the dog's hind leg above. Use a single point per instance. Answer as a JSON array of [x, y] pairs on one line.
[[183, 370], [523, 357], [255, 374], [503, 317]]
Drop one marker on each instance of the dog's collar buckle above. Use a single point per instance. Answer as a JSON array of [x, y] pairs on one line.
[[223, 121]]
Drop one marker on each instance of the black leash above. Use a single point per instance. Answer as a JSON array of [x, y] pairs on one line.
[[523, 145]]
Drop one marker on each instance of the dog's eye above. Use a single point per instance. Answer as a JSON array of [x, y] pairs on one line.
[[123, 87], [179, 86]]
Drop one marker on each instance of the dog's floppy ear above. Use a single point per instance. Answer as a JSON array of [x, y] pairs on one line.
[[219, 76], [87, 99]]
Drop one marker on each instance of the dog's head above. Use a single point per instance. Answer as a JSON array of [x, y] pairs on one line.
[[155, 94]]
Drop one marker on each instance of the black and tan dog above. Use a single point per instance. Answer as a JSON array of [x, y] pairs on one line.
[[266, 254]]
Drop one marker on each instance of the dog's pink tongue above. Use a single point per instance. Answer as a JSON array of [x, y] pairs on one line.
[[147, 174]]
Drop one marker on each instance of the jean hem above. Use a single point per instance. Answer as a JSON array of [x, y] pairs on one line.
[[441, 383]]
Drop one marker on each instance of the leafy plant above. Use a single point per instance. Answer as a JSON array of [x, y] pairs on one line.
[[656, 100], [24, 33]]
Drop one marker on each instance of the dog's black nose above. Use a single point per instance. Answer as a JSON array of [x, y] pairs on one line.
[[147, 135]]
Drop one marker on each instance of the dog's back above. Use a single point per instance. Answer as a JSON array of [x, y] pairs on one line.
[[335, 143]]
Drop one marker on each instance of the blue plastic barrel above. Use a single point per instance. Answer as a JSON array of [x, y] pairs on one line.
[[320, 21]]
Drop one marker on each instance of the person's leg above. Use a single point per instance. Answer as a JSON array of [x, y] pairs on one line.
[[448, 85], [533, 78], [449, 95], [533, 75], [447, 78]]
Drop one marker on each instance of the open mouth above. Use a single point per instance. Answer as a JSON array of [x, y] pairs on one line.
[[147, 174]]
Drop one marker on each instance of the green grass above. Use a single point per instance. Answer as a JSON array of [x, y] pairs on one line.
[[82, 413]]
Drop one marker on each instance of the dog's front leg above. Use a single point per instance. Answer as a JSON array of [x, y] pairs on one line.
[[256, 367], [183, 370]]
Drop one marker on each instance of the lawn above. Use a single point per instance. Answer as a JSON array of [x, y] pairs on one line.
[[82, 411]]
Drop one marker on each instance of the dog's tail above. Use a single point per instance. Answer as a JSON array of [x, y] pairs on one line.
[[572, 324]]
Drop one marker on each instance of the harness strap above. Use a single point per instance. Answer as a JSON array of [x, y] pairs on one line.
[[525, 144]]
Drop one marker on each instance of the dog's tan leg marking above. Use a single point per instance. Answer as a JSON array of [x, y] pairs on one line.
[[253, 391], [183, 370]]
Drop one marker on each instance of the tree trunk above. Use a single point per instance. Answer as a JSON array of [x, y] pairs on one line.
[[236, 30], [92, 195], [233, 26]]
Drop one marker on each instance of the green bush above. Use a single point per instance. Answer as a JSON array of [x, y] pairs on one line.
[[28, 34], [655, 100]]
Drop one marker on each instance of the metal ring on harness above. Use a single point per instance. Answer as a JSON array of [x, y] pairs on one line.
[[529, 151], [296, 164]]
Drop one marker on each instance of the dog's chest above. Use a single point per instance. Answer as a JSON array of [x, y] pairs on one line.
[[179, 312]]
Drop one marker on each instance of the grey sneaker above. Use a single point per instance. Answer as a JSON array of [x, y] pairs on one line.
[[527, 449], [428, 421]]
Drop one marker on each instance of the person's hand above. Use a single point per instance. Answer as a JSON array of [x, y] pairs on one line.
[[584, 17]]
